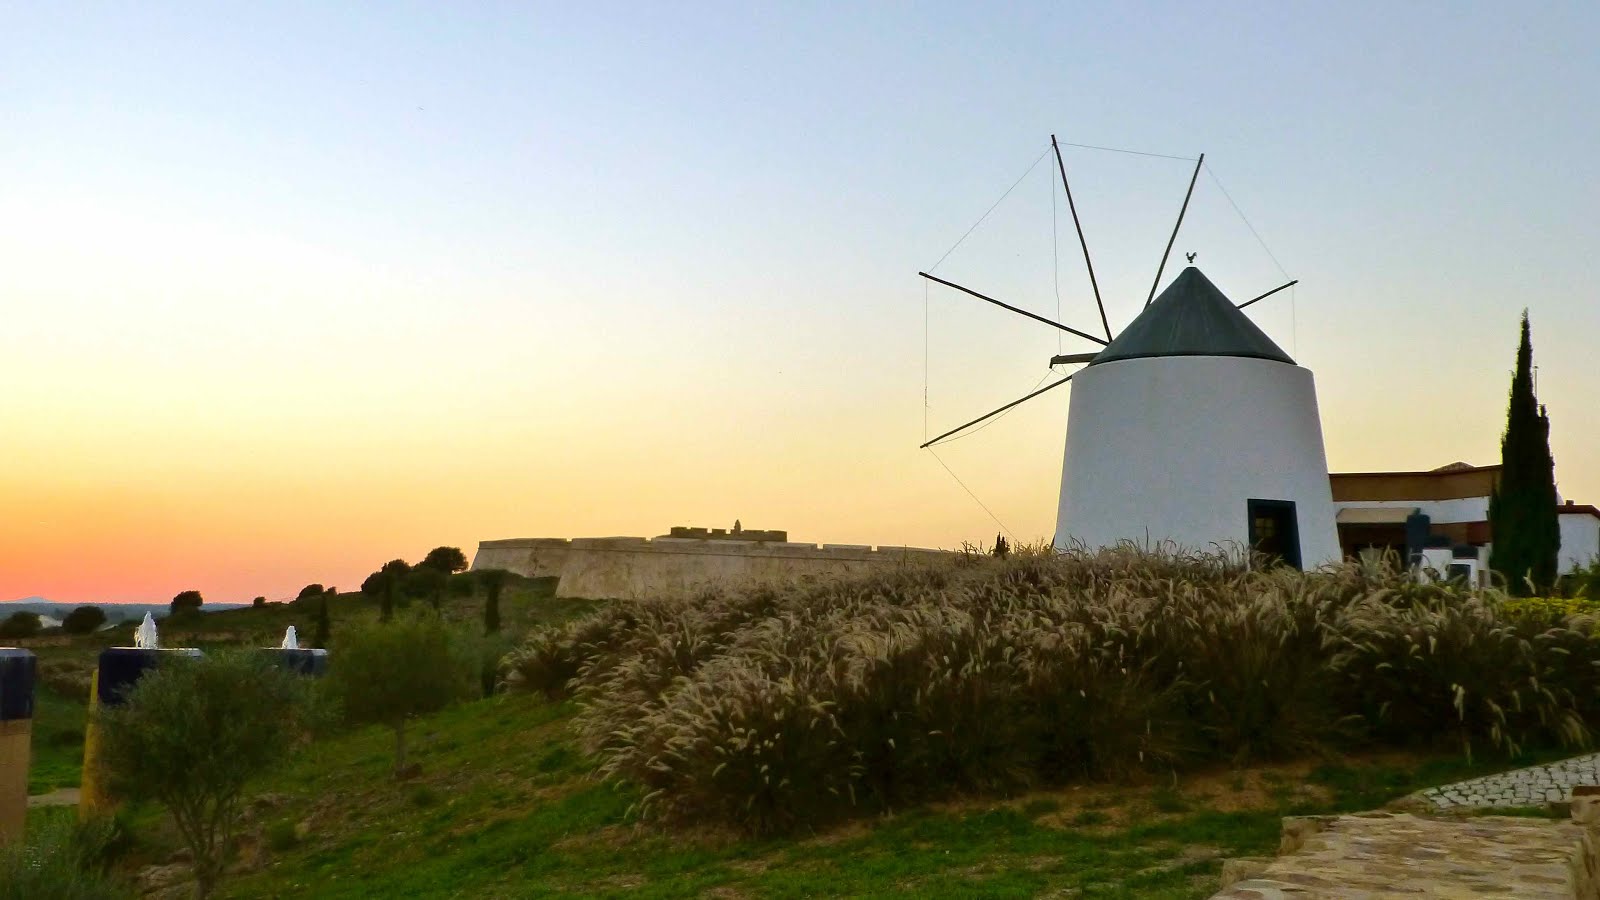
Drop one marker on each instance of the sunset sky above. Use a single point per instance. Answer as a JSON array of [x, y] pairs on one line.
[[294, 289]]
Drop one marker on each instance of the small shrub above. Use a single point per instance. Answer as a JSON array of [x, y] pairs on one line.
[[58, 861], [1166, 800], [102, 841], [186, 601], [556, 759], [21, 624], [189, 737], [444, 559], [280, 836], [1088, 818], [1040, 806], [389, 672], [64, 736], [1549, 611], [83, 620]]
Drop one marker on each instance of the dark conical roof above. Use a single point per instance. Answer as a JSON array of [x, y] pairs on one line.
[[1191, 318]]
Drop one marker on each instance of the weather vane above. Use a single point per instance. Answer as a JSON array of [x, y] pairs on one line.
[[1191, 257]]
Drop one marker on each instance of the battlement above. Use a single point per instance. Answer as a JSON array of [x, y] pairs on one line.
[[605, 567], [723, 534]]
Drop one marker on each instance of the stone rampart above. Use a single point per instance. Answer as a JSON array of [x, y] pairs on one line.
[[632, 567], [530, 557]]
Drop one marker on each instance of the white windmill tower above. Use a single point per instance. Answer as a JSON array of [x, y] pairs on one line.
[[1191, 427]]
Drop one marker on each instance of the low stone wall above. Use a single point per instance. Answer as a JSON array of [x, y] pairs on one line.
[[632, 567], [1401, 855]]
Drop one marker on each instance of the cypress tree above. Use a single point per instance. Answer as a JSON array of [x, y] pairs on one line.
[[324, 627], [493, 580], [1522, 509]]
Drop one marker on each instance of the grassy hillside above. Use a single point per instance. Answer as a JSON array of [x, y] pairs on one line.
[[504, 807], [67, 661], [506, 803]]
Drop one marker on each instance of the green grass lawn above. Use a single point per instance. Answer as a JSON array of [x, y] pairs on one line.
[[504, 807], [57, 752], [60, 712]]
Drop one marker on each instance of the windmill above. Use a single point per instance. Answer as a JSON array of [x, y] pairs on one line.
[[1191, 426]]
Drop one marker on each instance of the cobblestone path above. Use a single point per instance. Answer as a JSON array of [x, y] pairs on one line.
[[1388, 856], [1535, 786]]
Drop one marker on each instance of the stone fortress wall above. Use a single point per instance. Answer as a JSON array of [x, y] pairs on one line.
[[632, 567]]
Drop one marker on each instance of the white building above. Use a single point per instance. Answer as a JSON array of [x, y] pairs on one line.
[[1444, 513], [1193, 427]]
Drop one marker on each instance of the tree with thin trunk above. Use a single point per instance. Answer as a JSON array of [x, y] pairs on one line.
[[186, 602], [390, 672], [1523, 521], [192, 733], [384, 583], [428, 582], [83, 620], [446, 559]]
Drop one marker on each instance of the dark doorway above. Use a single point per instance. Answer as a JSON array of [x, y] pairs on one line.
[[1273, 531]]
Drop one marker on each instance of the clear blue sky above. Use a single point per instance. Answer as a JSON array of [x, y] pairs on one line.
[[294, 289]]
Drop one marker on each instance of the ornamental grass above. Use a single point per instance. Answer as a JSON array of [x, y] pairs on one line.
[[785, 705]]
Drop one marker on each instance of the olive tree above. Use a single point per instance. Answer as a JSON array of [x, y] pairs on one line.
[[192, 733], [187, 602], [383, 584], [389, 672], [445, 559], [21, 624], [83, 620]]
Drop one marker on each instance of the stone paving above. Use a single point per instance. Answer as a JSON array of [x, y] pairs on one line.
[[59, 797], [1397, 855], [1535, 786]]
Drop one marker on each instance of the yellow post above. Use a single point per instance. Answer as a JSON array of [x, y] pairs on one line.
[[14, 740], [120, 669], [92, 798]]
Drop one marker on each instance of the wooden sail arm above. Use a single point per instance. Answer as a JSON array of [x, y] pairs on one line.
[[990, 415], [1269, 293], [1020, 312]]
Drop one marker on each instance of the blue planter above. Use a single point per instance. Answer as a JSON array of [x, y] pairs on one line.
[[301, 662], [122, 667], [19, 670]]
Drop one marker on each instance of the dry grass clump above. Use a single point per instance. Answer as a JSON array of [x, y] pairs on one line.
[[782, 705]]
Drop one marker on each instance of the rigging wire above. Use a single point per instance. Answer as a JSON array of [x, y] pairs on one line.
[[924, 359], [1120, 150], [1294, 306], [1246, 221], [972, 431], [973, 496], [991, 209], [1055, 254]]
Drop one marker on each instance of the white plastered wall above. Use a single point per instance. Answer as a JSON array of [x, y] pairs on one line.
[[1580, 541], [1171, 448]]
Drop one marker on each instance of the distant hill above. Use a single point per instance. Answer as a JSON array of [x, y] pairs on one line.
[[115, 612]]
